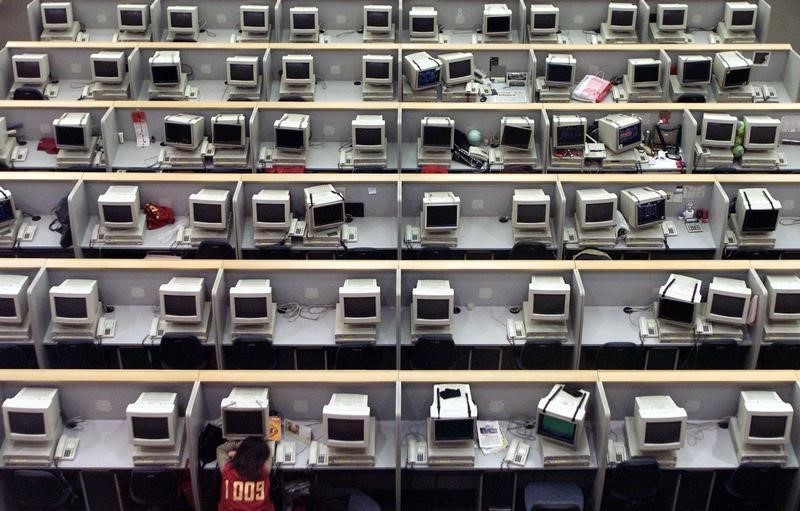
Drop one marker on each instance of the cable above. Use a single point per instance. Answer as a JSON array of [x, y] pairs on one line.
[[294, 311]]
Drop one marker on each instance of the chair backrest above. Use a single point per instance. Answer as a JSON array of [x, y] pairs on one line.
[[591, 254], [527, 249], [717, 354], [212, 249], [360, 253], [28, 94], [181, 351], [618, 355], [79, 354], [755, 481], [357, 356], [40, 489], [154, 486], [636, 479], [274, 252], [433, 352], [781, 355], [540, 354], [360, 501], [435, 253], [12, 357], [253, 352]]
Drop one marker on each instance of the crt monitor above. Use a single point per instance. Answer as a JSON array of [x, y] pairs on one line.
[[153, 419], [621, 17], [762, 133], [376, 69], [369, 133], [119, 207], [133, 17], [620, 132], [516, 133], [568, 132], [783, 297], [184, 131], [208, 209], [560, 415], [181, 299], [72, 131], [324, 207], [544, 19], [440, 211], [31, 68], [423, 21], [75, 302], [13, 298], [644, 73], [108, 66], [756, 210], [740, 16], [548, 296], [432, 303], [763, 418], [245, 412], [530, 209], [453, 415], [731, 69], [694, 70], [496, 20], [422, 70], [360, 301], [659, 423], [560, 70], [57, 15], [292, 132], [457, 67], [254, 19], [242, 71], [728, 301], [8, 211], [437, 133], [453, 430], [718, 130], [595, 208], [377, 18], [251, 302], [671, 17], [228, 130], [678, 300], [182, 19], [346, 421], [272, 209], [298, 69], [165, 68], [643, 206], [33, 415], [304, 20]]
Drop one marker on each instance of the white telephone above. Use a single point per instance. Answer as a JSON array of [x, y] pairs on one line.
[[66, 448], [417, 452], [285, 453], [317, 454], [517, 453]]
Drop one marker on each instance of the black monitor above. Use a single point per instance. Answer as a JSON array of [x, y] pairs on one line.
[[516, 137], [165, 74], [345, 430], [105, 69], [422, 24], [244, 422], [54, 16], [727, 306], [656, 433], [70, 307], [207, 214], [437, 136], [180, 19], [331, 214], [377, 18], [298, 70], [571, 135], [270, 213], [251, 308], [304, 21], [227, 134], [242, 72], [178, 133], [646, 73], [453, 430], [737, 77], [762, 134], [760, 220], [600, 212], [150, 428], [437, 215], [254, 18], [24, 423], [549, 305], [621, 18], [498, 24], [8, 308], [559, 73], [767, 426], [368, 137], [544, 21], [180, 305], [377, 70], [531, 213], [694, 72], [27, 69], [676, 311], [117, 214], [289, 138], [433, 309], [71, 136]]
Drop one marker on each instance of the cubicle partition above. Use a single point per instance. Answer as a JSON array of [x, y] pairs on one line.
[[776, 352], [20, 348]]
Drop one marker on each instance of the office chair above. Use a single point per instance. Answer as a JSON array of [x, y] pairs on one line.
[[156, 488], [432, 352], [359, 253], [253, 352], [211, 249], [29, 94], [526, 249], [754, 485], [79, 354], [691, 98], [181, 351], [12, 357], [435, 253], [635, 482], [618, 355], [553, 496], [717, 354], [40, 489], [292, 97], [357, 356], [781, 355], [540, 354], [591, 254], [274, 252]]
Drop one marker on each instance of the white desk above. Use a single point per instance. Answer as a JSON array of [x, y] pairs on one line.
[[329, 90], [164, 238], [684, 240], [373, 232], [479, 233], [43, 238], [324, 156], [408, 157]]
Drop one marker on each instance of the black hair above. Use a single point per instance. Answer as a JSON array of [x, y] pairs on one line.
[[250, 457]]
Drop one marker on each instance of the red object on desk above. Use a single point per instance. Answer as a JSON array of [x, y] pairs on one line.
[[434, 169], [47, 145], [287, 169]]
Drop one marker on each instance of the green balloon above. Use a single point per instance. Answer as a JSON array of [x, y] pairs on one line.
[[474, 137], [738, 151]]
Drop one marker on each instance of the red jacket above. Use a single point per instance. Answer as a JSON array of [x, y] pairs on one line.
[[239, 494]]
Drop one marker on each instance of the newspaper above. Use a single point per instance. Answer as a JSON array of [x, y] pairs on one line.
[[490, 437]]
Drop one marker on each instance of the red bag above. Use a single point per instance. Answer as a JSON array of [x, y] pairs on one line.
[[158, 216]]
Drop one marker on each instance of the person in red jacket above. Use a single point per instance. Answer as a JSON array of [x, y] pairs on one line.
[[245, 475]]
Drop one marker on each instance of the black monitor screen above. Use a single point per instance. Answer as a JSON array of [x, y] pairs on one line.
[[131, 18], [650, 212], [8, 308], [677, 311], [227, 134], [69, 136], [250, 308], [377, 19], [662, 433], [304, 21], [242, 72], [254, 19], [6, 210], [180, 305], [328, 215], [543, 21], [106, 69], [428, 77], [422, 24], [207, 213], [460, 68], [785, 303], [531, 213], [368, 136], [432, 309], [438, 136], [56, 16], [178, 133], [180, 19], [377, 70], [728, 306], [25, 423], [720, 131], [240, 423], [150, 428], [742, 18], [630, 135], [165, 74], [67, 307], [622, 18], [600, 212], [289, 139], [767, 426], [117, 214], [298, 70], [570, 135], [516, 137], [453, 430], [441, 216], [551, 305], [758, 220], [646, 73], [558, 429], [346, 430], [762, 134], [697, 71], [498, 24], [737, 77], [359, 307], [559, 73], [673, 17], [27, 69], [271, 213]]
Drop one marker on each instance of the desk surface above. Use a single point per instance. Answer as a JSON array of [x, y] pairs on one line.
[[408, 157], [43, 238], [325, 156], [684, 240], [164, 238], [373, 232], [479, 233]]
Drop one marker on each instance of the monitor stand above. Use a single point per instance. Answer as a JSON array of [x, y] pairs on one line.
[[712, 157], [328, 238], [433, 38], [352, 333], [626, 160], [658, 36], [125, 36], [545, 38], [172, 157], [743, 94], [724, 35], [492, 39], [305, 91], [557, 455], [608, 36], [182, 37], [420, 330], [8, 234], [536, 329], [345, 456], [197, 235], [61, 332], [760, 159], [252, 37], [676, 90], [132, 236], [642, 95], [266, 330], [429, 95], [304, 38], [66, 159], [236, 93], [69, 34], [665, 459], [548, 94], [18, 332], [755, 453], [200, 330], [265, 237], [169, 93], [110, 91], [31, 453], [646, 237], [231, 157], [436, 158], [603, 237], [379, 37], [373, 92], [764, 239], [511, 157], [447, 238], [781, 330], [162, 456], [538, 235]]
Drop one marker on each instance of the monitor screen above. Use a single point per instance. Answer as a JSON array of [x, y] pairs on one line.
[[622, 18], [298, 70], [673, 17], [737, 77], [646, 73], [630, 135], [460, 68], [329, 215], [368, 136], [454, 430], [26, 423], [498, 24], [422, 24], [543, 21], [70, 307], [559, 72], [742, 18], [105, 69], [270, 213], [27, 69], [551, 305], [531, 213], [8, 308], [650, 212], [346, 430], [437, 136], [570, 135], [180, 305], [242, 72], [250, 308], [181, 19], [767, 426], [756, 220], [558, 429], [359, 307], [304, 21], [178, 133], [377, 70], [785, 303], [377, 19], [425, 78], [728, 306], [429, 308], [674, 310], [227, 134], [55, 15], [289, 138], [719, 131], [516, 137], [150, 428], [696, 71], [131, 18], [164, 74], [662, 433], [244, 422], [69, 136], [207, 213], [441, 216], [254, 18], [117, 214], [600, 212], [762, 134]]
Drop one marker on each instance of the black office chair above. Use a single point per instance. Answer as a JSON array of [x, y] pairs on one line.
[[40, 489], [291, 97], [253, 352], [540, 354], [619, 355], [29, 94], [691, 98], [717, 354], [435, 253], [754, 486], [12, 357], [781, 355], [635, 483], [432, 352], [80, 354], [359, 253], [527, 249], [553, 496], [156, 488], [211, 249], [181, 351], [357, 356], [274, 252], [591, 254]]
